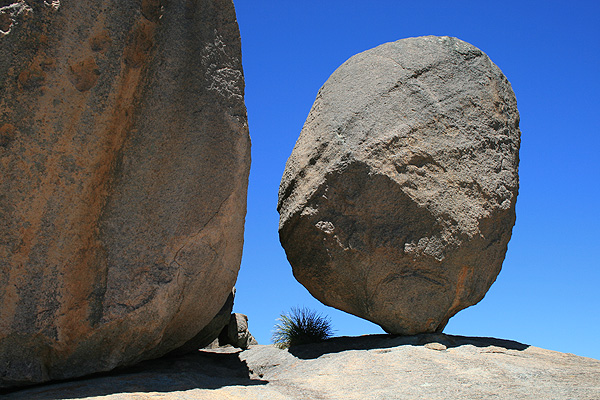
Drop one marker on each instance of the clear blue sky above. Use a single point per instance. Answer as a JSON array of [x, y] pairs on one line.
[[547, 292]]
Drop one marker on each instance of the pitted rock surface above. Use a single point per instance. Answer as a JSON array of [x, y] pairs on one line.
[[124, 159], [398, 200]]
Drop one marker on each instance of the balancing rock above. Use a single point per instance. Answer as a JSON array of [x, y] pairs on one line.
[[124, 160], [398, 200]]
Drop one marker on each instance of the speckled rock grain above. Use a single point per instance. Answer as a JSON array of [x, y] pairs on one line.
[[368, 367], [398, 200], [124, 158]]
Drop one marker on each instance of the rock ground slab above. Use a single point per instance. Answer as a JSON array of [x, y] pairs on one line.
[[377, 367]]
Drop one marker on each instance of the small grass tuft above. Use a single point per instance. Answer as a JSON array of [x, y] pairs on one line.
[[301, 326]]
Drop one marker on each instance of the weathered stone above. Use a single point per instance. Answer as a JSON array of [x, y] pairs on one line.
[[435, 346], [210, 333], [367, 367], [124, 159], [398, 201], [238, 334]]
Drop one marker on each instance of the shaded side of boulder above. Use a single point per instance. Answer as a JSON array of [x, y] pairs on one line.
[[210, 332], [124, 161], [238, 334], [398, 200], [235, 333]]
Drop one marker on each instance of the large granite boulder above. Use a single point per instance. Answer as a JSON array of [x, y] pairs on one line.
[[124, 159], [398, 201]]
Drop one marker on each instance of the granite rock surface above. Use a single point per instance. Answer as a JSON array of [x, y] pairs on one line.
[[211, 332], [427, 366], [124, 159], [398, 201], [238, 334]]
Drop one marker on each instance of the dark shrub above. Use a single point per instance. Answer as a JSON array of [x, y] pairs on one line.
[[301, 326]]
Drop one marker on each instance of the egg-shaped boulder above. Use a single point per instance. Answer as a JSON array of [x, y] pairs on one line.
[[398, 200]]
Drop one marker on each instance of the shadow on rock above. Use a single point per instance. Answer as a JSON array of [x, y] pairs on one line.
[[203, 369], [371, 342]]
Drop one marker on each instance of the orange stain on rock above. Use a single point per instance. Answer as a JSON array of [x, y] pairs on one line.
[[465, 272], [141, 41], [77, 206], [84, 74], [31, 78], [7, 133], [79, 276], [101, 42]]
